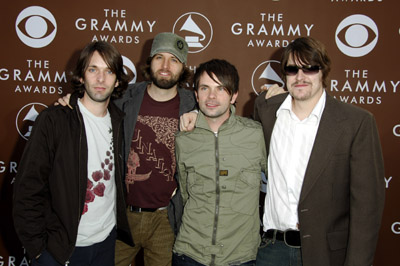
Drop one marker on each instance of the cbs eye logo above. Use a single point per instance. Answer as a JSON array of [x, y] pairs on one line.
[[36, 27], [356, 35]]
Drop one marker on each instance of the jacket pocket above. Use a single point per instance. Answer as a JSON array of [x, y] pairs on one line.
[[337, 240], [195, 187], [338, 245], [245, 198]]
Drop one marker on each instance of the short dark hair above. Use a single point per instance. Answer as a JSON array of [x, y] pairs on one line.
[[225, 72], [112, 58], [308, 51], [185, 78]]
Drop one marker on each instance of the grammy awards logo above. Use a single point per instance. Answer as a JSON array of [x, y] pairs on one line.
[[266, 74], [129, 69], [196, 30], [26, 117]]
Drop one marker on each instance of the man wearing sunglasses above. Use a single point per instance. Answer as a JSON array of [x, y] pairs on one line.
[[325, 191]]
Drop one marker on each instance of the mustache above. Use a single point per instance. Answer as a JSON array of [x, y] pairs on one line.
[[301, 83]]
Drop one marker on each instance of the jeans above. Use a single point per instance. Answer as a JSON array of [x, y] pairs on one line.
[[152, 232], [45, 259], [99, 254], [183, 260], [277, 253]]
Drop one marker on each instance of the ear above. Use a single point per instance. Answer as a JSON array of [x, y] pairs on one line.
[[81, 80], [197, 97], [116, 84], [233, 98]]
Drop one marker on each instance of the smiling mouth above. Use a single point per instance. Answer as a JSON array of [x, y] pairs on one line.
[[164, 73]]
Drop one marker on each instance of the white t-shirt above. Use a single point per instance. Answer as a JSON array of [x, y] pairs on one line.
[[99, 215]]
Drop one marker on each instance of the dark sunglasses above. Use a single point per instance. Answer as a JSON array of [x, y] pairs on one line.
[[308, 70]]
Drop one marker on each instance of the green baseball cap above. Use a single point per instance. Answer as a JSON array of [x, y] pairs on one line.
[[168, 42]]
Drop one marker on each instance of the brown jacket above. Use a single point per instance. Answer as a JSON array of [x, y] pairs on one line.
[[342, 196]]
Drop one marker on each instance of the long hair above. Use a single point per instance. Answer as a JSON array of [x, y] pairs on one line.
[[308, 51], [185, 78], [111, 57]]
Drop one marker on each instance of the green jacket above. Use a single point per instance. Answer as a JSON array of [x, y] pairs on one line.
[[220, 177]]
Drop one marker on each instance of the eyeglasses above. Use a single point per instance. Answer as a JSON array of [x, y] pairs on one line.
[[307, 70]]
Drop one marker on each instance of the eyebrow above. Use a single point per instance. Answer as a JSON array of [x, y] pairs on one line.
[[219, 86], [172, 56], [96, 66]]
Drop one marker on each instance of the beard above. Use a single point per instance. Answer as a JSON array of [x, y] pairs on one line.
[[163, 83]]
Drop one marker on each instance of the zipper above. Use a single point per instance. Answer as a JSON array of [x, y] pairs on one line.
[[217, 198]]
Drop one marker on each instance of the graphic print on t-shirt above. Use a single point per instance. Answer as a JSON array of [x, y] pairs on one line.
[[151, 163], [96, 186], [163, 129]]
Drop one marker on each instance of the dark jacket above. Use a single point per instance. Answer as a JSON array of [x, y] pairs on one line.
[[130, 104], [342, 196], [50, 187]]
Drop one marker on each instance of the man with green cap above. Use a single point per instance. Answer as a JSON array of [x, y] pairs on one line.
[[152, 111]]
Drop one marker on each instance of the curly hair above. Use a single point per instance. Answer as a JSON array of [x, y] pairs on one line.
[[112, 58]]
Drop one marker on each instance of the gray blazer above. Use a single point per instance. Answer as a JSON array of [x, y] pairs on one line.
[[342, 196]]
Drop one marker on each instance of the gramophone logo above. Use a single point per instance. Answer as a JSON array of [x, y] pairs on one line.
[[266, 74], [196, 29], [26, 118], [129, 69]]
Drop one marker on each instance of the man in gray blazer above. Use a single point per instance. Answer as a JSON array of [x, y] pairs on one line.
[[325, 191]]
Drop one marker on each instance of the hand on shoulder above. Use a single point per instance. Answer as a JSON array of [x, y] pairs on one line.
[[272, 90]]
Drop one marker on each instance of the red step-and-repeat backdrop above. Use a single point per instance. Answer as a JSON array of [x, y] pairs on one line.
[[41, 40]]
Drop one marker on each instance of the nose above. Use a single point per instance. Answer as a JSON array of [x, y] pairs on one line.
[[100, 76], [300, 74], [165, 63], [212, 94]]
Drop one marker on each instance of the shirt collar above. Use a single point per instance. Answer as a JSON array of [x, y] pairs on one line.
[[315, 114]]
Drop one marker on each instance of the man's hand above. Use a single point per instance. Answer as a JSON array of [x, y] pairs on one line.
[[64, 101], [272, 90], [188, 120]]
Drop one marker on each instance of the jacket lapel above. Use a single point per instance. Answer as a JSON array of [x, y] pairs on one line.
[[329, 131]]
